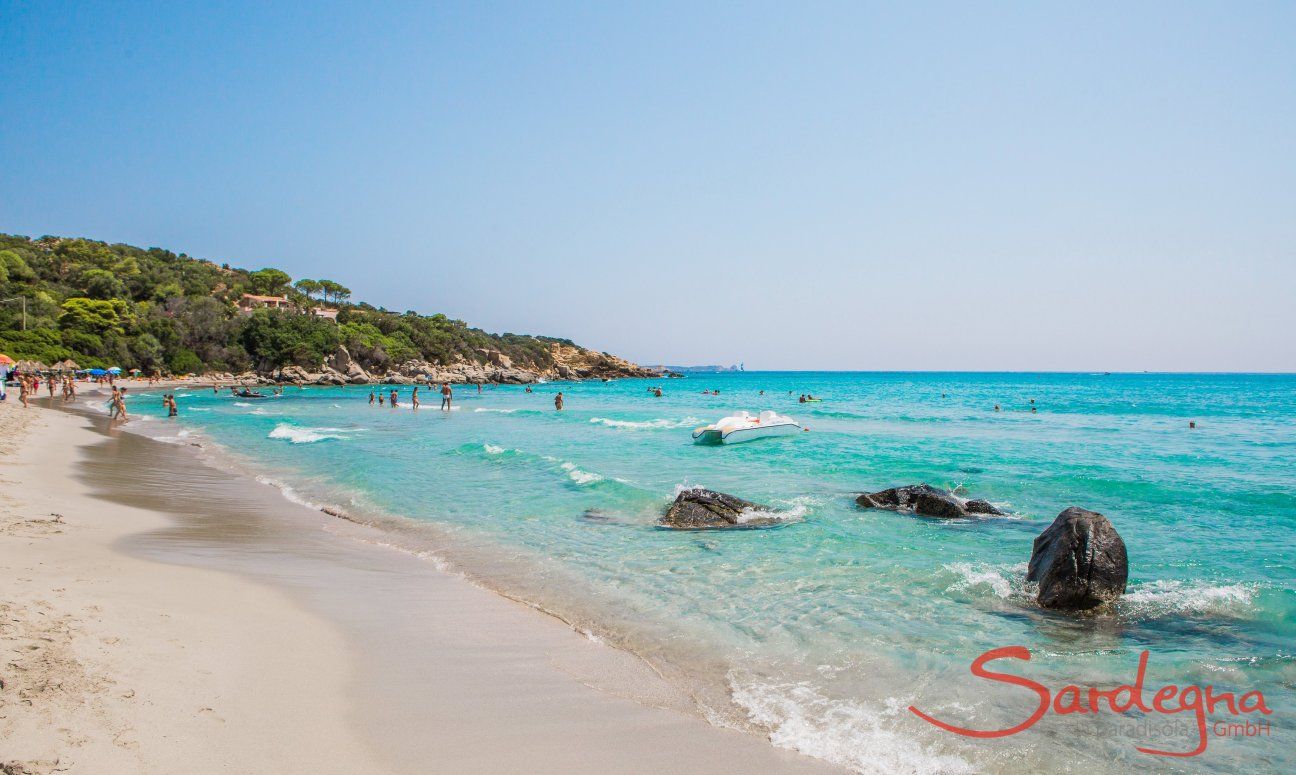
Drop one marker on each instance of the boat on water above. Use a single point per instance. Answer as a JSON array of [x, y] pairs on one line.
[[743, 426]]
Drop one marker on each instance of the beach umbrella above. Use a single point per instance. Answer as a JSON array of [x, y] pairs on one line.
[[98, 372], [115, 370], [70, 365], [5, 359], [132, 371]]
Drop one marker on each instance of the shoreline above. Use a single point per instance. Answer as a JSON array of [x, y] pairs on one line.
[[440, 669]]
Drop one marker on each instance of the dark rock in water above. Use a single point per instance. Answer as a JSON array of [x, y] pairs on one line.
[[700, 509], [938, 504], [896, 497], [1079, 562], [980, 506], [918, 498], [925, 500]]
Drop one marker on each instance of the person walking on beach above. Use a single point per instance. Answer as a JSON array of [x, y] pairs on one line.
[[24, 387], [558, 401], [446, 396], [49, 383], [112, 405], [414, 397]]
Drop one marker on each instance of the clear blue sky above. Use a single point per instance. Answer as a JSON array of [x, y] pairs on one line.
[[927, 186]]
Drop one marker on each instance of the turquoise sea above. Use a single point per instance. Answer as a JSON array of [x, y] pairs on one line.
[[821, 632]]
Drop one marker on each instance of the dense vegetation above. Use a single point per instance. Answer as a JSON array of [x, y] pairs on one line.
[[117, 305]]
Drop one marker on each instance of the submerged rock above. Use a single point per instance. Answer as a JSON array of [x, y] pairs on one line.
[[701, 509], [1079, 562], [596, 515], [925, 500]]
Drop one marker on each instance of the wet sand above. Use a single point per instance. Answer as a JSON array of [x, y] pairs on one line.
[[208, 624]]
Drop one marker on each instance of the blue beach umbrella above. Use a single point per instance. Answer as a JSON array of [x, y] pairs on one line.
[[98, 372]]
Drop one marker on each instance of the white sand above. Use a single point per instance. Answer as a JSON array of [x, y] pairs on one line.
[[321, 654], [114, 664]]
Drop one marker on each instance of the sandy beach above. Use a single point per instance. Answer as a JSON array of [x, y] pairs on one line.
[[160, 615]]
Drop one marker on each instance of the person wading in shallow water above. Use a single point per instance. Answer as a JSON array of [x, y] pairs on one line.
[[446, 395], [393, 399], [558, 401], [119, 403], [414, 397]]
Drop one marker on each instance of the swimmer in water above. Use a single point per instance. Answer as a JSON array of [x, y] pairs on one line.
[[393, 399], [558, 401]]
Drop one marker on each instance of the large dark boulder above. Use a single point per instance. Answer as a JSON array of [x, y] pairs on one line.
[[925, 500], [1079, 562], [701, 509]]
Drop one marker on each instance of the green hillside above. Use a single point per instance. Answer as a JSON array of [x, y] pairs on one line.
[[118, 305]]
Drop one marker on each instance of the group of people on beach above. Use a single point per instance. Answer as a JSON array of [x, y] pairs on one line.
[[29, 384]]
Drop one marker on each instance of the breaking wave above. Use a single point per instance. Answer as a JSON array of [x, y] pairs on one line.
[[297, 435], [1003, 581], [1176, 598]]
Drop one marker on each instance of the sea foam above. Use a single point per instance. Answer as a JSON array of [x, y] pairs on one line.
[[298, 435], [848, 733]]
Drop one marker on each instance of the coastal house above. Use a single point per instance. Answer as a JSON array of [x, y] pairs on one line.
[[250, 301], [326, 313]]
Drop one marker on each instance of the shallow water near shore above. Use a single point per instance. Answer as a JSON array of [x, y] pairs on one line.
[[822, 632]]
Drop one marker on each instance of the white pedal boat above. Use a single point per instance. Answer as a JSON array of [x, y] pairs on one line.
[[744, 427]]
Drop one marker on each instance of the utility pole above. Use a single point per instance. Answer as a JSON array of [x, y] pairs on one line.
[[23, 299]]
